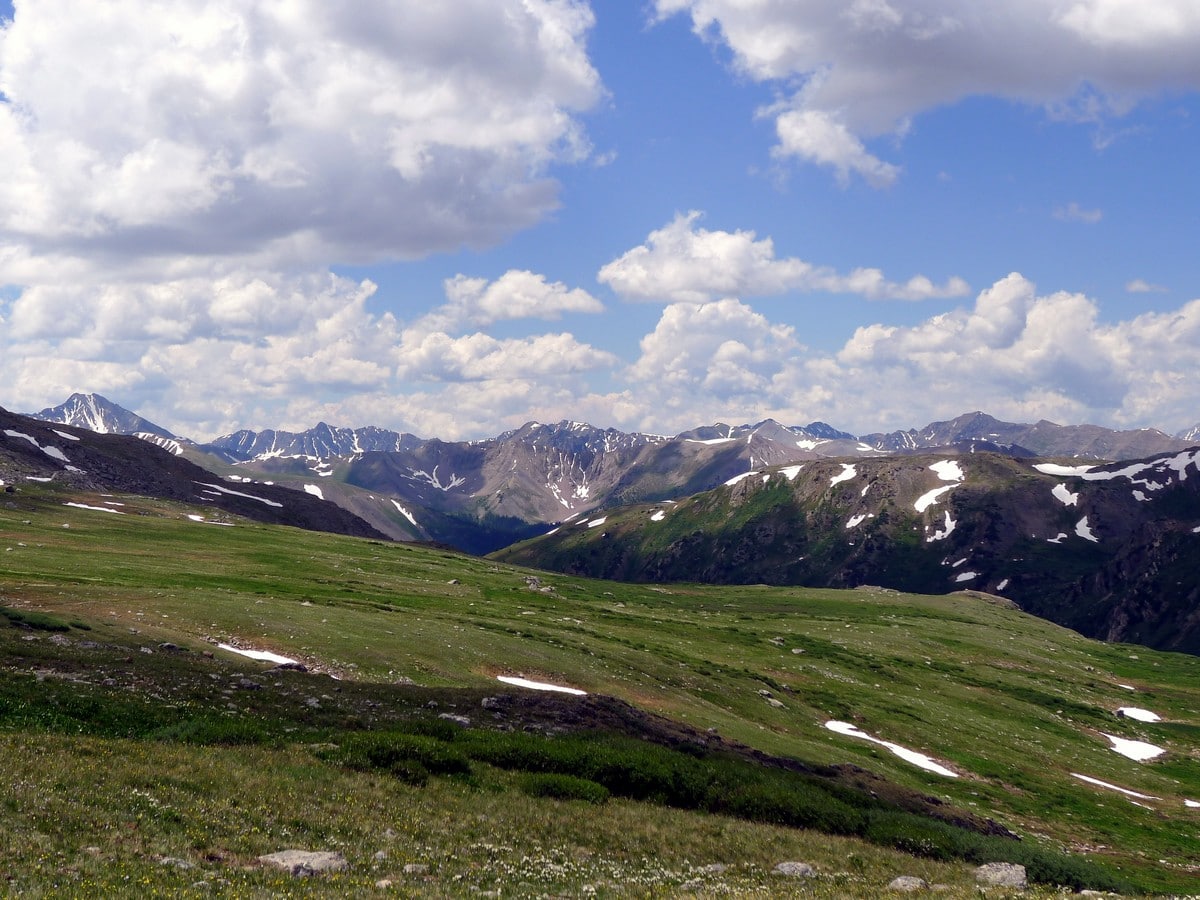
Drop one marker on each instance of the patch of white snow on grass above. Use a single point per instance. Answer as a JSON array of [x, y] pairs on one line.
[[710, 442], [1141, 715], [538, 685], [95, 508], [314, 490], [855, 521], [1002, 585], [790, 472], [848, 471], [966, 576], [1128, 687], [1135, 750], [1062, 536], [597, 522], [1063, 496], [929, 498], [223, 490], [64, 435], [658, 516], [1112, 787], [1140, 497], [262, 655], [912, 756], [1192, 804], [736, 478], [1084, 531]]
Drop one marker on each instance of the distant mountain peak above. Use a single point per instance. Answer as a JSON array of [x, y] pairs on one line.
[[99, 414]]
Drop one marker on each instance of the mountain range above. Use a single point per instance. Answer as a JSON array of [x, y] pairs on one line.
[[483, 495]]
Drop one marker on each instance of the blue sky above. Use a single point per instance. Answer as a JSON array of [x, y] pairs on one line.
[[450, 219]]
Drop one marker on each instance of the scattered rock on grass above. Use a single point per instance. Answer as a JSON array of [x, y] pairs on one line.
[[908, 884], [1002, 875], [795, 870], [306, 862], [416, 869]]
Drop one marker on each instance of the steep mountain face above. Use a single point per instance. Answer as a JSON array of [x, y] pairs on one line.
[[1191, 435], [322, 442], [101, 415], [81, 459], [1041, 439], [1110, 551]]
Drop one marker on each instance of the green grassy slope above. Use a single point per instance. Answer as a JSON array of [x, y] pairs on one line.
[[1011, 703]]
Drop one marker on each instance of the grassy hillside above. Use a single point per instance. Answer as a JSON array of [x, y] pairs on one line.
[[130, 761], [1110, 553]]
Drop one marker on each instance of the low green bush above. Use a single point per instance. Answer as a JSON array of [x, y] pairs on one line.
[[410, 757], [35, 620], [563, 787]]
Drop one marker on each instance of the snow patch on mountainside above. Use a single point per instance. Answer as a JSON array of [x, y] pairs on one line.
[[1064, 496], [434, 480], [942, 533], [917, 759], [95, 508], [1139, 751], [261, 655], [1140, 715], [315, 491], [49, 449], [848, 471], [404, 512], [225, 490], [929, 498], [948, 470], [1112, 787], [538, 685], [1084, 531]]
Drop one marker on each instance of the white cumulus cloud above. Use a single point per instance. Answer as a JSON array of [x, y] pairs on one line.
[[366, 133], [852, 71], [517, 294], [684, 263]]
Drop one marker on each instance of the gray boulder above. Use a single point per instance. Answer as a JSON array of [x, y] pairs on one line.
[[795, 870], [1002, 875], [306, 862], [908, 884]]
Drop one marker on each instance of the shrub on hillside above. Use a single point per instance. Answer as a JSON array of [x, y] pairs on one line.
[[563, 787]]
